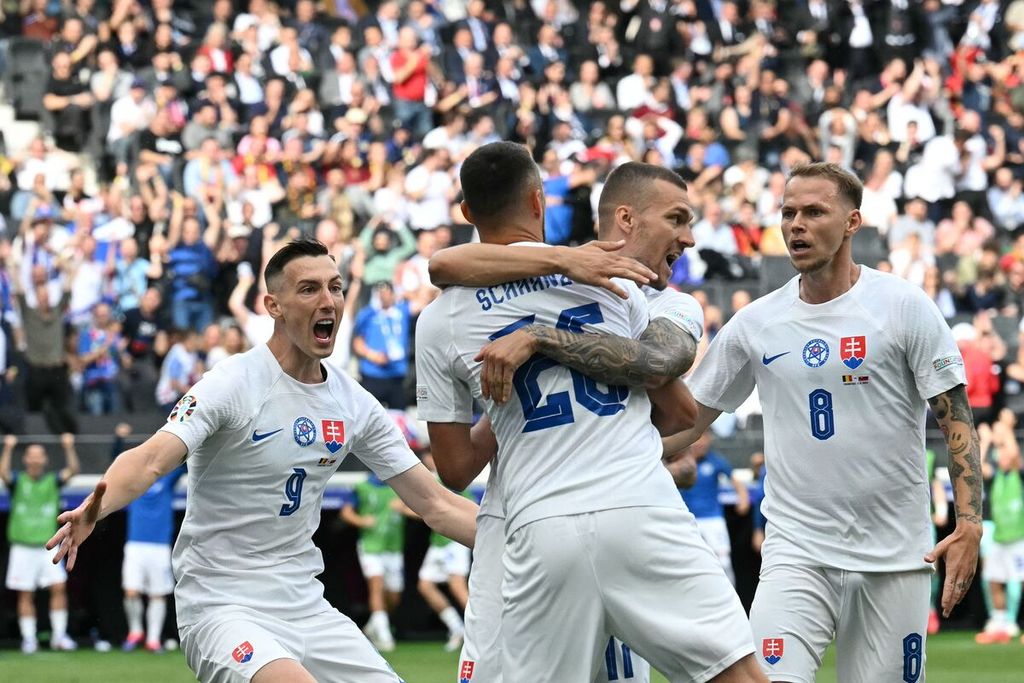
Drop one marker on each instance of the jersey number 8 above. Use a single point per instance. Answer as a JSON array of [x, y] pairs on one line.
[[557, 410], [823, 421]]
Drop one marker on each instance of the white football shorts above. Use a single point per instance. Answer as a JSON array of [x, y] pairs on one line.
[[642, 574], [230, 644], [30, 568], [1004, 563], [389, 565], [147, 568], [879, 620], [441, 563]]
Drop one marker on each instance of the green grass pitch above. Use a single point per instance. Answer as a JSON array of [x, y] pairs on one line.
[[952, 658]]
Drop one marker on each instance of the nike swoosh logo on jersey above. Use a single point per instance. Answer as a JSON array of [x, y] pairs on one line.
[[768, 359], [257, 437]]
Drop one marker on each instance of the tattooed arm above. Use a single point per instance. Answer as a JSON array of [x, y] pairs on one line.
[[660, 355], [960, 548]]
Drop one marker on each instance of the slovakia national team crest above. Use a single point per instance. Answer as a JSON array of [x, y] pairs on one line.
[[243, 653], [853, 351], [815, 353], [466, 671], [772, 649], [304, 431], [334, 434]]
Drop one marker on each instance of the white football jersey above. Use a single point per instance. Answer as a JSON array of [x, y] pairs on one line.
[[843, 388], [261, 448], [566, 443]]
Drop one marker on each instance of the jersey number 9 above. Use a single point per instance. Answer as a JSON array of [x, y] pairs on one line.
[[293, 492]]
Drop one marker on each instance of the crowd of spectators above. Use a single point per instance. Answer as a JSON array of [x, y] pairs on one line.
[[183, 141]]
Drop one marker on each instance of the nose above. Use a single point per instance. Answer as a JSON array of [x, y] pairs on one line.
[[686, 238]]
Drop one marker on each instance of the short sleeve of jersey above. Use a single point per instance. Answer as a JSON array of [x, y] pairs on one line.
[[725, 377], [443, 392], [382, 447], [932, 353], [679, 309], [213, 403]]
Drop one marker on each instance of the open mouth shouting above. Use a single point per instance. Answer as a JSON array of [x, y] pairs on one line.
[[323, 330]]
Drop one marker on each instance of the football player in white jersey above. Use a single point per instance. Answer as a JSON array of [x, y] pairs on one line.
[[596, 534], [846, 361], [263, 432], [676, 325]]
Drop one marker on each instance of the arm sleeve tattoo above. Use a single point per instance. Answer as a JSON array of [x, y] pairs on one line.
[[663, 352], [953, 414]]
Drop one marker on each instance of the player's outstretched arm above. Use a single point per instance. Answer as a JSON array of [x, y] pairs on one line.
[[130, 475], [445, 512], [482, 265], [959, 549], [662, 354]]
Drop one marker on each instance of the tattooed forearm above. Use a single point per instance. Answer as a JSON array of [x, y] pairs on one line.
[[663, 352], [953, 414]]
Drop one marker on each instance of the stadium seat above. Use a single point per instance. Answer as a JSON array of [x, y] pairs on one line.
[[27, 76]]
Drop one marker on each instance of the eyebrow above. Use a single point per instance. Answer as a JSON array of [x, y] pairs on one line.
[[311, 281]]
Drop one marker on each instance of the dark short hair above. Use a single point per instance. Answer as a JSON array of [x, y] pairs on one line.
[[630, 184], [497, 176], [847, 184], [288, 253]]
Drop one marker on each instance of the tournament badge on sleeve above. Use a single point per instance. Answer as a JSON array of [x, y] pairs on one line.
[[183, 409], [772, 649]]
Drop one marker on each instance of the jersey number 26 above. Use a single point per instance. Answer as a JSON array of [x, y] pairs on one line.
[[557, 409]]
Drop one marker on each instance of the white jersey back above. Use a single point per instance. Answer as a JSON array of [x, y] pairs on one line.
[[262, 447], [566, 444], [843, 386]]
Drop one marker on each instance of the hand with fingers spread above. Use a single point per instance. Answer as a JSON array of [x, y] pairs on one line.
[[596, 263], [75, 527], [501, 358], [959, 551]]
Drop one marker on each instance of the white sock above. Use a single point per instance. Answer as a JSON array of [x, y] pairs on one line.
[[133, 610], [999, 618], [27, 625], [451, 619], [155, 619], [59, 623], [381, 622]]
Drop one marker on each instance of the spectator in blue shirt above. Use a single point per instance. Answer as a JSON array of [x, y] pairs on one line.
[[702, 500], [380, 339], [191, 268], [558, 211]]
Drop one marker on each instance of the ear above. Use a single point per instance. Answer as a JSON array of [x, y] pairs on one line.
[[853, 223], [464, 206], [625, 220], [537, 203], [271, 304]]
